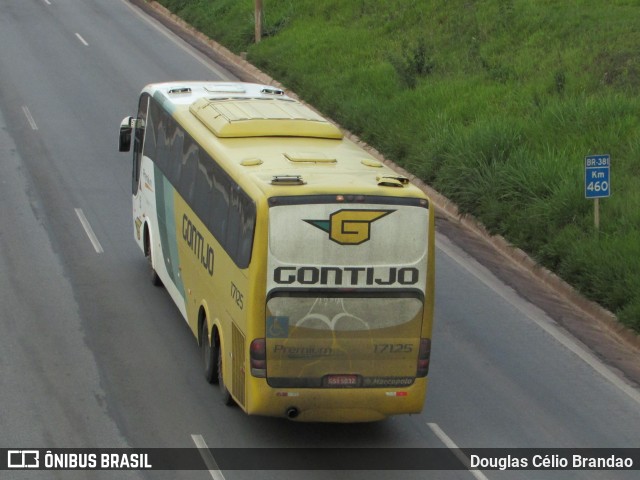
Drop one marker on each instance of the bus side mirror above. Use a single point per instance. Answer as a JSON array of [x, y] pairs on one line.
[[126, 126]]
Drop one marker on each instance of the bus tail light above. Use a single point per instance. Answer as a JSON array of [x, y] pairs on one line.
[[258, 358], [423, 357]]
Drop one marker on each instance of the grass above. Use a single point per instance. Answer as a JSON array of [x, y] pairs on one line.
[[494, 103]]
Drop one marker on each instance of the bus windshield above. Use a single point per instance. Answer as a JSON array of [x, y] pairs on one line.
[[345, 312], [351, 339]]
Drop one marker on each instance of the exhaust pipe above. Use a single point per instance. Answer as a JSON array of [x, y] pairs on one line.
[[292, 412]]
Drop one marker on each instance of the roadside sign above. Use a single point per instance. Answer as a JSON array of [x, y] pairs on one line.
[[597, 182]]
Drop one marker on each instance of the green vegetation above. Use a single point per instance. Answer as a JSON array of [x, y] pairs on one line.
[[494, 103]]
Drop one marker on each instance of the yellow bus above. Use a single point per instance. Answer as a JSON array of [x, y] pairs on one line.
[[303, 266]]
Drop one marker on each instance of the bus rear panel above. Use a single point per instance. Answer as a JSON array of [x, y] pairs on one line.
[[345, 311]]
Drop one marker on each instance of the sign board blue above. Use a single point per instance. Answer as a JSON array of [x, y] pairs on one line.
[[596, 176]]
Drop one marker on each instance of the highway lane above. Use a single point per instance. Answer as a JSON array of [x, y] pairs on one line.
[[92, 355], [74, 358]]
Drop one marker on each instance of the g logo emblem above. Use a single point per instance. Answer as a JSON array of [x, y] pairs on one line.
[[350, 227]]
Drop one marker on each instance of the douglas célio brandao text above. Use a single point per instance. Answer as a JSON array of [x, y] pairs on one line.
[[550, 462]]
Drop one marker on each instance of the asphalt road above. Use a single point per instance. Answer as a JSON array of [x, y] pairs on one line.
[[92, 355]]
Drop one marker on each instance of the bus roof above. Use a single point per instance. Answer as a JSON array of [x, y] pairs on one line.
[[257, 132]]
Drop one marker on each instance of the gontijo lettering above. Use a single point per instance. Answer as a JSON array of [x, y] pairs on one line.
[[196, 242], [346, 276]]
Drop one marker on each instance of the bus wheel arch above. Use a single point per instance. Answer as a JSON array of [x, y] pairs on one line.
[[155, 278], [226, 397], [208, 348]]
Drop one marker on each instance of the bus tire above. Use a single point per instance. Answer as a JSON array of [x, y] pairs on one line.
[[227, 399], [155, 278], [209, 359]]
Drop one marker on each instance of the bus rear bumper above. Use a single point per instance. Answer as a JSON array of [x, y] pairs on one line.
[[338, 405]]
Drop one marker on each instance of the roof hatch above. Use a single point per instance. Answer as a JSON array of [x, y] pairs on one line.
[[232, 118], [392, 180]]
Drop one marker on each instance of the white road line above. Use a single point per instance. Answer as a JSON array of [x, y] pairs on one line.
[[47, 2], [178, 41], [209, 461], [30, 119], [535, 314], [89, 230], [84, 42], [451, 445]]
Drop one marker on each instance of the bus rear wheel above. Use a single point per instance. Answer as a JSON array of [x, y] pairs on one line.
[[225, 395], [209, 359]]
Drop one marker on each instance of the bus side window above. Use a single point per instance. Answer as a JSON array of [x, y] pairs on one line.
[[175, 140], [162, 148], [189, 160], [247, 226], [241, 222], [220, 204], [233, 229]]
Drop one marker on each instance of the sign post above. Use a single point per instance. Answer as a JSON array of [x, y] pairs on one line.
[[258, 20], [597, 183]]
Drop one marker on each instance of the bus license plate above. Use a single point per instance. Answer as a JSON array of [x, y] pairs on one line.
[[341, 381]]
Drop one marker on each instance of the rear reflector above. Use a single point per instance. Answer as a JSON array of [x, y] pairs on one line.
[[258, 358], [287, 394], [423, 357], [397, 394]]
